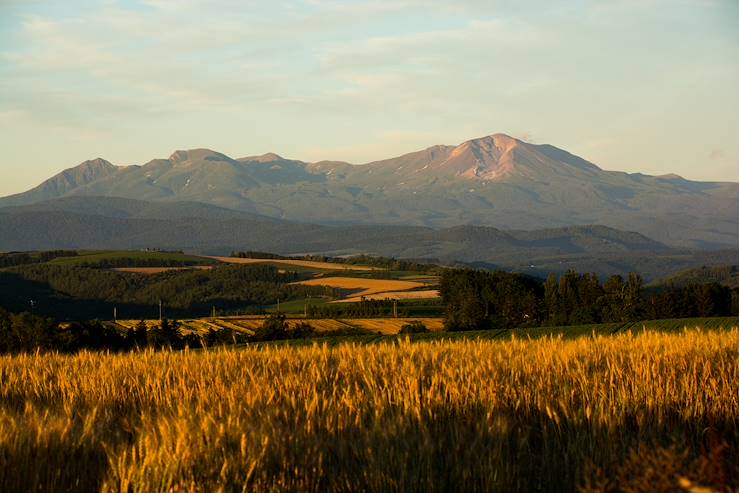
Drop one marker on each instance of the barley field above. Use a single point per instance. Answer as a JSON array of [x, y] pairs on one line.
[[364, 287], [426, 294], [646, 412]]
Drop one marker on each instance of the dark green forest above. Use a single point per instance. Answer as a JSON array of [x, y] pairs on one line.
[[479, 300]]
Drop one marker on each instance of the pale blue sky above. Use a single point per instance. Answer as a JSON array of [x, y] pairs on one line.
[[634, 85]]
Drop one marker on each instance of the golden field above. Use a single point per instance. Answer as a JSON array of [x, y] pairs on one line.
[[426, 294], [250, 324], [652, 412], [307, 264], [362, 287]]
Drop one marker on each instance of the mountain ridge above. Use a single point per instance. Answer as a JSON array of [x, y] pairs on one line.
[[495, 180]]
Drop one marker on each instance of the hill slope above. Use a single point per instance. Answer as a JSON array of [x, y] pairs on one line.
[[494, 181], [115, 223], [727, 275]]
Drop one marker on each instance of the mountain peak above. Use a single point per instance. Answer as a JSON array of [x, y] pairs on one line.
[[506, 140], [86, 171], [264, 158], [68, 180], [671, 176], [270, 156], [193, 155], [485, 158], [97, 163], [503, 142]]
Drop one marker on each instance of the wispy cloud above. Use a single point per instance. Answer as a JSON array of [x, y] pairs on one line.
[[716, 154]]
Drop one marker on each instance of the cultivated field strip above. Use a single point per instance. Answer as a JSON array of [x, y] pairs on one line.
[[428, 294], [377, 289], [391, 326], [652, 412], [249, 325], [307, 264]]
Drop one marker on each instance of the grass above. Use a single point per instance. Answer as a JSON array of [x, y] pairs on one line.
[[93, 257], [667, 325], [647, 412], [412, 308], [297, 307]]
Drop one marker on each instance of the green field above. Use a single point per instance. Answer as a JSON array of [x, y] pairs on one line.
[[410, 308], [95, 257], [296, 307]]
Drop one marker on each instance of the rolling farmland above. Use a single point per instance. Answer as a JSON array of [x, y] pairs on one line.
[[429, 294], [377, 289], [304, 264]]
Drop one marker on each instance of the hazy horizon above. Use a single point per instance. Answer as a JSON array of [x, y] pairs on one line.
[[647, 86]]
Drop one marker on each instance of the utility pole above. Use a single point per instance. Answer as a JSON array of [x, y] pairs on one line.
[[213, 315], [115, 314], [395, 308], [160, 310]]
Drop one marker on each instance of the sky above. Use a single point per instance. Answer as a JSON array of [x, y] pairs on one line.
[[633, 85]]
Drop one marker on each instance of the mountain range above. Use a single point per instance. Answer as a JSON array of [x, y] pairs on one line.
[[496, 181]]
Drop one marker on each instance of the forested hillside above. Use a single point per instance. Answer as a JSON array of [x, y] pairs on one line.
[[727, 275], [78, 293]]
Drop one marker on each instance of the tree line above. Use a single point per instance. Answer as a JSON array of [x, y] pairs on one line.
[[23, 258], [24, 333], [28, 333], [387, 263], [361, 309], [118, 262], [488, 300]]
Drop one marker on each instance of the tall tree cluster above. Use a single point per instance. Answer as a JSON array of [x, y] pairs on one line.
[[478, 300], [24, 333], [487, 300]]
